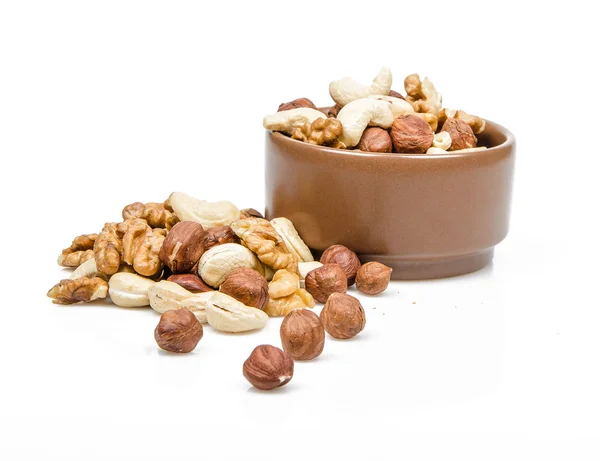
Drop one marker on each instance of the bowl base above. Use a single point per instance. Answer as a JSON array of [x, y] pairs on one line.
[[433, 268]]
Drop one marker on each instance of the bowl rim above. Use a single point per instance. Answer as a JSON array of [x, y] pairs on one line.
[[509, 142]]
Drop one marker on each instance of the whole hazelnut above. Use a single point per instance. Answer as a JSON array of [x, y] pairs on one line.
[[302, 334], [411, 135], [334, 111], [191, 282], [178, 331], [183, 247], [373, 278], [343, 316], [375, 139], [218, 236], [250, 213], [268, 367], [324, 280], [343, 257], [461, 134], [296, 104], [247, 286], [395, 94]]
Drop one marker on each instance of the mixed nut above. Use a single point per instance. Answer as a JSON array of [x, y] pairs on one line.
[[197, 262], [376, 118]]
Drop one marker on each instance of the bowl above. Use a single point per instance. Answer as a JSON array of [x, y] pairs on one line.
[[426, 216]]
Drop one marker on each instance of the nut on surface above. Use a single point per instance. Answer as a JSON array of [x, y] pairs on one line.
[[373, 278], [284, 283], [129, 290], [411, 135], [227, 314], [268, 367], [247, 286], [343, 257], [218, 236], [375, 139], [178, 331], [216, 263], [300, 299], [183, 247], [83, 289], [461, 134], [296, 104], [325, 280], [250, 213], [191, 282], [293, 242], [343, 316], [302, 334]]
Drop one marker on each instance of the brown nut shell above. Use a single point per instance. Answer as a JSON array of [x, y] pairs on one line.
[[296, 104], [183, 247], [343, 316], [373, 278], [268, 367], [247, 286], [411, 135], [325, 280], [191, 282], [178, 331], [302, 334], [461, 134], [343, 257], [218, 236]]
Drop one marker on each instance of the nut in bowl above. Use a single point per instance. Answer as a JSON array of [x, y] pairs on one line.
[[427, 193]]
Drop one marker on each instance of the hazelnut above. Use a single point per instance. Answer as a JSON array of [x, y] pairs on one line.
[[296, 104], [183, 247], [461, 134], [395, 94], [191, 282], [250, 213], [178, 331], [268, 367], [411, 135], [324, 280], [375, 139], [373, 278], [302, 334], [334, 111], [343, 257], [343, 316], [218, 236], [247, 286]]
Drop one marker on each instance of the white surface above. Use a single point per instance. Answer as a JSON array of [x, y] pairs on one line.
[[102, 104]]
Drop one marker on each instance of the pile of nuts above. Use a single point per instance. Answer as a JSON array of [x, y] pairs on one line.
[[376, 118], [198, 262]]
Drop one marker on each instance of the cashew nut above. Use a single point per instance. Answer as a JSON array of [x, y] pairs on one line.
[[87, 269], [346, 90], [129, 290], [167, 296], [287, 121], [398, 106], [359, 114], [442, 140], [437, 150], [220, 260], [227, 314], [209, 214], [285, 228]]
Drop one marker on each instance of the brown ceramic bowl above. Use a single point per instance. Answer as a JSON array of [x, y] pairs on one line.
[[426, 216]]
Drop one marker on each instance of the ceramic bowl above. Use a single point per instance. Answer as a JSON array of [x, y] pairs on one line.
[[426, 216]]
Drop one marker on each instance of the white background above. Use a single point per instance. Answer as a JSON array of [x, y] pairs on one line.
[[106, 103]]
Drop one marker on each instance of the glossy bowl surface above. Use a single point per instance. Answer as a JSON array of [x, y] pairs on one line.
[[426, 216]]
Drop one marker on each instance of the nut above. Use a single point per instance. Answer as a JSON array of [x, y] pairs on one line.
[[291, 238], [191, 282], [216, 263], [250, 213], [84, 289], [87, 269], [442, 140], [346, 90], [422, 95], [343, 316], [209, 214], [183, 247], [247, 286], [431, 120], [359, 114], [141, 246], [411, 135], [155, 214], [334, 111], [302, 334], [343, 257], [284, 283], [225, 313], [322, 132], [268, 367], [166, 296], [395, 94], [477, 124], [375, 139], [178, 331], [261, 237], [288, 120], [279, 307], [373, 278], [325, 280], [461, 134], [304, 268], [397, 105], [219, 235], [296, 104], [108, 248], [129, 290], [80, 251]]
